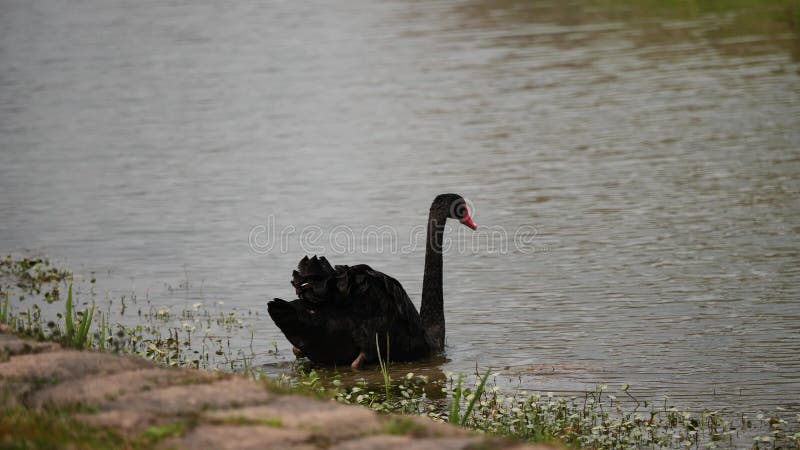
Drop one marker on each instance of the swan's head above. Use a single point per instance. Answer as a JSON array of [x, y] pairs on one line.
[[456, 208]]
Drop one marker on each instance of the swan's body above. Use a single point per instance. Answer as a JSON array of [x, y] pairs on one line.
[[341, 312], [356, 303]]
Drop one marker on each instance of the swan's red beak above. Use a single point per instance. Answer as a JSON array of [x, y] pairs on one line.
[[467, 220]]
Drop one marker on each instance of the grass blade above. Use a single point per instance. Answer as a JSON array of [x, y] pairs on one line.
[[68, 315], [476, 396], [83, 332], [387, 380], [102, 331], [455, 406], [4, 310]]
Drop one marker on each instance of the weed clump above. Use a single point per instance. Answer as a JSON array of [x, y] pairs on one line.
[[595, 419]]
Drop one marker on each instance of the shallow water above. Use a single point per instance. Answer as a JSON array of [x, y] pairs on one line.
[[654, 152]]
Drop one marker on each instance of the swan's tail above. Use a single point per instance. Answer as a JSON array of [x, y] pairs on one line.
[[285, 316], [322, 335]]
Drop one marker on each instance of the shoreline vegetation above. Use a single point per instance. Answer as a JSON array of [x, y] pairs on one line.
[[775, 23], [32, 293]]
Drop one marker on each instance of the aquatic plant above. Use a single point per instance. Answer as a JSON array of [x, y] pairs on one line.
[[594, 420], [456, 416], [387, 380], [4, 307], [77, 336], [31, 275]]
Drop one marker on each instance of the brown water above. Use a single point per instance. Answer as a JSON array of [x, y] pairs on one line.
[[656, 153]]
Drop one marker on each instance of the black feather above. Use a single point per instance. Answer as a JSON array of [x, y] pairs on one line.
[[340, 312]]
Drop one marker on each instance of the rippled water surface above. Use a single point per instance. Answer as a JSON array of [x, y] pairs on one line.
[[654, 151]]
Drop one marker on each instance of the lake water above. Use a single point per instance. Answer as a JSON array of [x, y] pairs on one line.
[[651, 156]]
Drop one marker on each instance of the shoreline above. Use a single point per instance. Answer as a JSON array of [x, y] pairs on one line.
[[139, 404], [594, 418]]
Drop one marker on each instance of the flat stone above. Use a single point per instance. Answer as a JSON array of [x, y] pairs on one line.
[[324, 418], [104, 388], [126, 422], [518, 446], [64, 365], [389, 442], [173, 400], [427, 427], [23, 375], [242, 437], [11, 345], [378, 442]]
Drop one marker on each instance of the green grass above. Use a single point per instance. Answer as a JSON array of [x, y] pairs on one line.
[[401, 425], [455, 401], [777, 21], [387, 380], [275, 422], [456, 416], [77, 336], [595, 419], [4, 307], [157, 433], [33, 429]]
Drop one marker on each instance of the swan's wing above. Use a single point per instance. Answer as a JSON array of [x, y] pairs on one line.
[[314, 323], [341, 311], [373, 293], [382, 308]]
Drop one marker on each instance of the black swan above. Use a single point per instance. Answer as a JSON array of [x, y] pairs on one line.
[[343, 312]]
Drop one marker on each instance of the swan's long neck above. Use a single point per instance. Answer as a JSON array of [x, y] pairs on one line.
[[432, 307]]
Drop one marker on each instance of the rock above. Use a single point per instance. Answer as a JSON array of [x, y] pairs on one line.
[[173, 400], [94, 390], [11, 345], [242, 437], [64, 365], [420, 426], [384, 442], [21, 376], [126, 422], [324, 419]]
